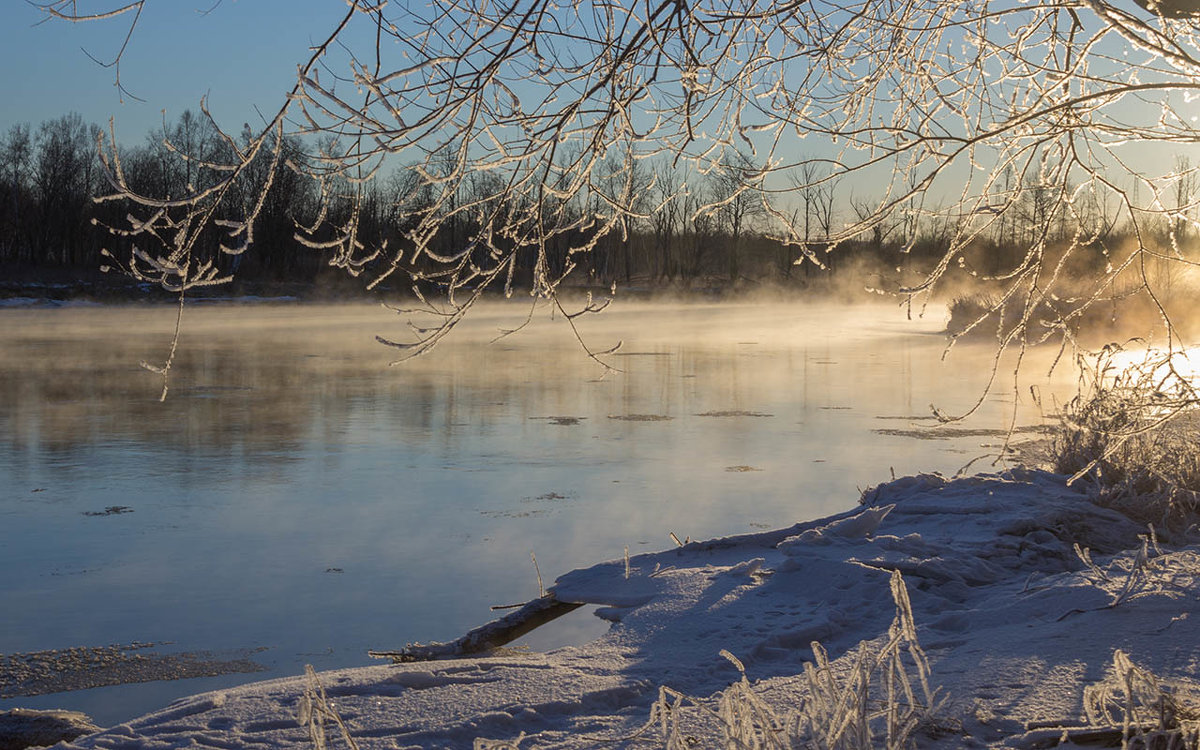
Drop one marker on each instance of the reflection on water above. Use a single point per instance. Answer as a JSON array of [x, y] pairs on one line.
[[295, 493]]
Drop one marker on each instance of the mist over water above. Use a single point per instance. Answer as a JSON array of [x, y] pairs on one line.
[[297, 494]]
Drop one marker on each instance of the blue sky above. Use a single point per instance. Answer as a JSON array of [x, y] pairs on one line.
[[242, 54]]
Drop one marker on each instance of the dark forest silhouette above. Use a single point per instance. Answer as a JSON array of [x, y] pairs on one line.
[[54, 220]]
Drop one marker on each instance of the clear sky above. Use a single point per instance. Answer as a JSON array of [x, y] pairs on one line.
[[242, 54]]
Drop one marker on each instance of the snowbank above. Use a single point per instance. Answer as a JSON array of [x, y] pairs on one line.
[[1014, 624]]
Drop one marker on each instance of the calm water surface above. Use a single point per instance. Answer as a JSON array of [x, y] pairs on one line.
[[296, 494]]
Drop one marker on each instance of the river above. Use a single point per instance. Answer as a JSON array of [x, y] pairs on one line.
[[298, 500]]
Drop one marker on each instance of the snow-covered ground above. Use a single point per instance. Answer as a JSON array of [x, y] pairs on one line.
[[1015, 625]]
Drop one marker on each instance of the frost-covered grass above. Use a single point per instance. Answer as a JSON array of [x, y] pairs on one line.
[[882, 701], [1131, 434], [1150, 712], [315, 713]]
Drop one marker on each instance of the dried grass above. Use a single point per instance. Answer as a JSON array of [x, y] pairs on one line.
[[1150, 712], [315, 712], [884, 700]]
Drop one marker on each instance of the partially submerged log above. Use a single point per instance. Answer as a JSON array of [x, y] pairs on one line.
[[487, 637], [25, 727], [1098, 736]]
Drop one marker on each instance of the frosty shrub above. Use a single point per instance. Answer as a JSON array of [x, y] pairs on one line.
[[1150, 714], [1131, 433], [976, 313], [984, 315], [880, 699]]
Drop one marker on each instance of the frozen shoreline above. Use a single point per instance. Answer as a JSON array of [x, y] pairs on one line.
[[1015, 626]]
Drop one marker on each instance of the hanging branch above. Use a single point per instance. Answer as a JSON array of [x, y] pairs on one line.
[[504, 121]]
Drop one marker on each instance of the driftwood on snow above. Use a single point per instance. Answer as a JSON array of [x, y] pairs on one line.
[[486, 637], [542, 610], [1043, 738]]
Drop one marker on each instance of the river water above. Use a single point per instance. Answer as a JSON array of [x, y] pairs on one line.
[[297, 500]]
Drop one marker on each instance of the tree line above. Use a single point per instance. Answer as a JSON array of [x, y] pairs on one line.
[[53, 190], [681, 229], [53, 211]]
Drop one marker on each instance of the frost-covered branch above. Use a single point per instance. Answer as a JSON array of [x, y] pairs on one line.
[[522, 133]]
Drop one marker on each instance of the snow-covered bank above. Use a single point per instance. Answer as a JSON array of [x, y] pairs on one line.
[[1014, 623]]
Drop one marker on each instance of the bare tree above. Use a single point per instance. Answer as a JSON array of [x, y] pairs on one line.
[[1186, 180], [739, 202], [666, 221], [812, 221], [623, 182], [16, 164], [64, 177]]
